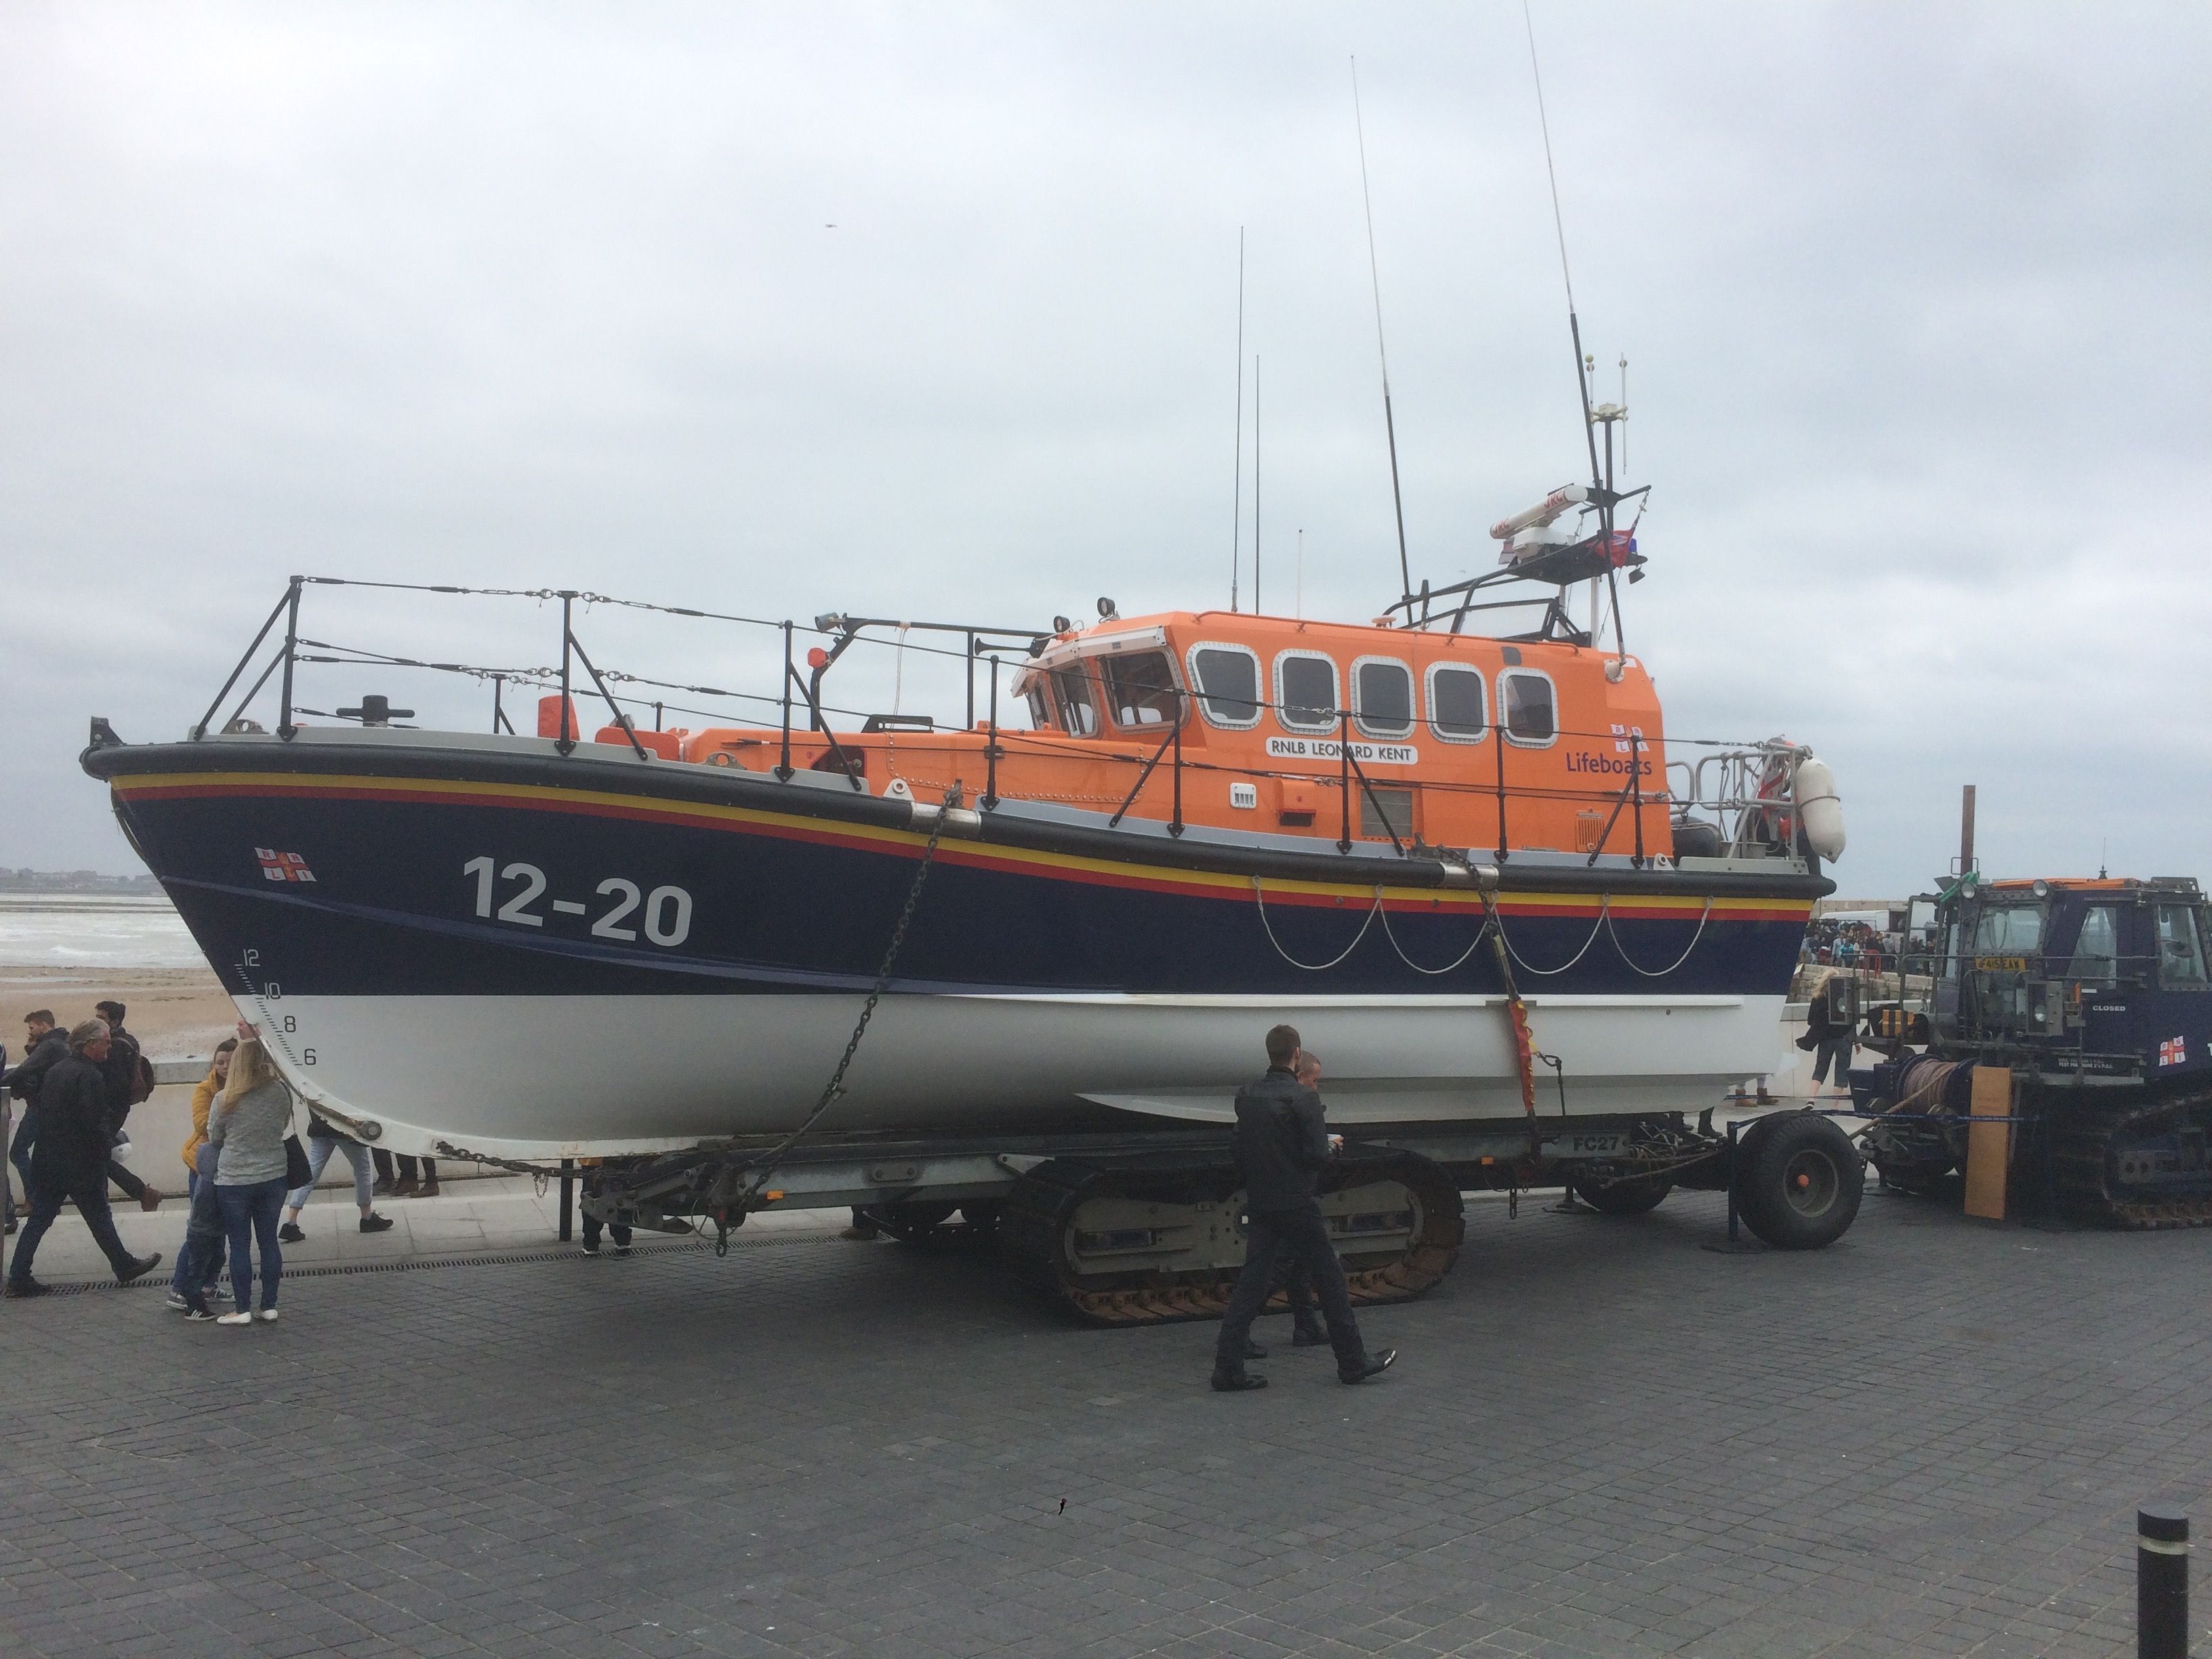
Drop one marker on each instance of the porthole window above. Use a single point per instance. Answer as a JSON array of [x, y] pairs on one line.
[[1305, 691], [1527, 703], [1228, 678], [1457, 711], [1382, 697]]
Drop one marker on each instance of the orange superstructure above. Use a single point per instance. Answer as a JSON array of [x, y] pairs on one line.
[[1449, 732]]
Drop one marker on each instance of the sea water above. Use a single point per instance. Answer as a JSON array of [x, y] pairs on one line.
[[94, 930]]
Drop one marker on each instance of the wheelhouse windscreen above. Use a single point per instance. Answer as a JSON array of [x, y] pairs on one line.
[[1079, 711], [1141, 690]]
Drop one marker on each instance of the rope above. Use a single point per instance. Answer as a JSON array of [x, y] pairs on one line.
[[1416, 966], [1605, 906], [758, 1181], [1605, 915], [1260, 899]]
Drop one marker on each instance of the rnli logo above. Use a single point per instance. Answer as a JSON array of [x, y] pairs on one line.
[[2174, 1051], [282, 866]]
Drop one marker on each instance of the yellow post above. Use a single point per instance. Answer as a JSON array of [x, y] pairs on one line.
[[1989, 1145]]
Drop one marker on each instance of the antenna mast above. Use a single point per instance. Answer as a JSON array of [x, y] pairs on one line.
[[1256, 483], [1375, 275], [1599, 491], [1236, 498]]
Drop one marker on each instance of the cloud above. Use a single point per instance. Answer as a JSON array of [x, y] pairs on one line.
[[521, 296]]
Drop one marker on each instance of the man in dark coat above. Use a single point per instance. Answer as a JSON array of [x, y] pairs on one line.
[[43, 1044], [1282, 1146], [70, 1160], [129, 1081]]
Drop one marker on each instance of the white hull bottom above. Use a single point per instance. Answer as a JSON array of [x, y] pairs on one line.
[[563, 1077]]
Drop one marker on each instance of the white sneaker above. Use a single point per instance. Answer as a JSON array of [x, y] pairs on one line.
[[233, 1318], [267, 1316]]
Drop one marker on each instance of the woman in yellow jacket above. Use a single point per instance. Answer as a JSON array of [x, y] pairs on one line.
[[193, 1272]]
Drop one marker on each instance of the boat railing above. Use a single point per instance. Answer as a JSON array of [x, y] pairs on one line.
[[1744, 793], [1741, 790]]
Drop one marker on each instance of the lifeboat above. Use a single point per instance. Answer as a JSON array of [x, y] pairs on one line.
[[1436, 851]]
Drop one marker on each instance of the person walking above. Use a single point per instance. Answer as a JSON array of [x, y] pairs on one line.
[[1282, 1143], [199, 1259], [1306, 1330], [248, 1126], [130, 1080], [68, 1161], [325, 1137], [1830, 1039], [7, 1134], [44, 1043]]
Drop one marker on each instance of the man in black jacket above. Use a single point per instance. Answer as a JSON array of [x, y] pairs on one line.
[[1282, 1146], [43, 1044], [129, 1081], [70, 1160]]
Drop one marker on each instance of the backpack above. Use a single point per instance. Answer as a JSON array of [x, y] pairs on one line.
[[141, 1079]]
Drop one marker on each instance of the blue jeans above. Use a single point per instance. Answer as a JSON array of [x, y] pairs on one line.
[[199, 1262], [319, 1148], [249, 1216], [19, 1149]]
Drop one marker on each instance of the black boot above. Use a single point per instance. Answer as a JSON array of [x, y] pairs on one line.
[[1228, 1381], [1374, 1365], [1309, 1333]]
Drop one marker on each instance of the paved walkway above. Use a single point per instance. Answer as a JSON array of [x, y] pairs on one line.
[[468, 1218], [1601, 1440]]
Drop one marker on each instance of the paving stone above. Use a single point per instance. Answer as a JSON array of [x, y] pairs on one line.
[[1601, 1440]]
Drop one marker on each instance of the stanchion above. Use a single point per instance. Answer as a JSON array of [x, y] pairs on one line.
[[2161, 1582], [1734, 1245], [567, 1199]]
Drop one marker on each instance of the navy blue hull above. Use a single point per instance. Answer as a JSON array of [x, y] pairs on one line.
[[401, 902]]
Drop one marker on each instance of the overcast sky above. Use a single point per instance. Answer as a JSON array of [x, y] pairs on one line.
[[930, 312]]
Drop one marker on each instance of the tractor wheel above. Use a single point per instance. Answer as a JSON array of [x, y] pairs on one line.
[[1799, 1181]]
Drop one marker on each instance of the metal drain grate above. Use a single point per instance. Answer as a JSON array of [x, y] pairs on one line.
[[489, 1258]]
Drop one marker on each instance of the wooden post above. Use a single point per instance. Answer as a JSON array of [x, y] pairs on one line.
[[1989, 1145]]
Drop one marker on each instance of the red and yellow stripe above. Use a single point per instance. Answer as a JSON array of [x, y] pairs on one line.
[[149, 787]]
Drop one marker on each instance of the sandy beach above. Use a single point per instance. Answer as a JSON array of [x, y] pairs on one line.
[[173, 1012]]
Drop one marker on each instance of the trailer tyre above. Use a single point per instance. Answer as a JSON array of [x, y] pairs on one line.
[[1638, 1197], [1799, 1181]]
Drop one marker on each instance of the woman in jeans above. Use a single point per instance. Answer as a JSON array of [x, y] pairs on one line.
[[197, 1267], [248, 1128]]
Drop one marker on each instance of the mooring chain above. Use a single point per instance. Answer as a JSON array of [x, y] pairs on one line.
[[757, 1182]]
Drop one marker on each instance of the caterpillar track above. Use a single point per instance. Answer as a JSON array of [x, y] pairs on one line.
[[1132, 1244], [2137, 1163]]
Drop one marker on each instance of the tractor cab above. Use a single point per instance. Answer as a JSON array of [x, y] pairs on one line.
[[2102, 977]]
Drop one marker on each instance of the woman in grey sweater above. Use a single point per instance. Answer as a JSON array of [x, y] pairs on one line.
[[248, 1128]]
